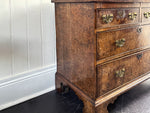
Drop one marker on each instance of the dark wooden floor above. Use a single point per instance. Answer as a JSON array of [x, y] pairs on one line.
[[137, 100]]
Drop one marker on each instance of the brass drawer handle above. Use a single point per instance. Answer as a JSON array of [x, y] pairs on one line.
[[120, 43], [146, 14], [108, 18], [132, 16], [120, 73]]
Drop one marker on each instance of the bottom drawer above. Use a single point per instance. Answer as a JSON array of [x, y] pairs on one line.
[[116, 73]]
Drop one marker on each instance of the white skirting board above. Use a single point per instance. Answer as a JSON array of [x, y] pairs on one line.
[[26, 86]]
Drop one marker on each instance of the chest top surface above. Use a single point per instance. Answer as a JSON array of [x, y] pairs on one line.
[[124, 1]]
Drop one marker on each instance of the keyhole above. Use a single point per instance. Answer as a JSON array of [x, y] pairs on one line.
[[139, 56]]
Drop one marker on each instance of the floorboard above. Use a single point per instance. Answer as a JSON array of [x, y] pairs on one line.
[[136, 100]]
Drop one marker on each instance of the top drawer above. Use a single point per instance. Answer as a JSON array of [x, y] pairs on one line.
[[116, 17]]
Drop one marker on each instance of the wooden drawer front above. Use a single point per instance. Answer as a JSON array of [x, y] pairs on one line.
[[120, 17], [108, 42], [145, 15], [134, 66]]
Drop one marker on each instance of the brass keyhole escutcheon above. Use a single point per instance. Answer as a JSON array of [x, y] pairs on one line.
[[107, 18], [132, 16], [121, 14], [139, 56], [121, 42], [120, 73], [139, 30]]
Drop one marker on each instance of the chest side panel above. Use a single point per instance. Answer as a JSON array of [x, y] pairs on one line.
[[76, 45]]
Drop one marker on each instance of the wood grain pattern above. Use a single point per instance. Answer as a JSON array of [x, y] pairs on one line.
[[134, 67], [76, 45], [90, 106], [87, 55], [118, 1], [145, 5], [106, 41], [121, 17], [105, 5]]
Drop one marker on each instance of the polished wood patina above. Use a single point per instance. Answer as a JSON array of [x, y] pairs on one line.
[[103, 48]]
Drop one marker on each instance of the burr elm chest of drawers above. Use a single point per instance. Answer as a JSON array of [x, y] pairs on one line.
[[103, 48]]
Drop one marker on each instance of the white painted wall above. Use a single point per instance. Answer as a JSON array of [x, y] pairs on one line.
[[27, 35], [27, 46]]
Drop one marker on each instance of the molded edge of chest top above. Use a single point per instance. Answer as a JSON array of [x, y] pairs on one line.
[[101, 1]]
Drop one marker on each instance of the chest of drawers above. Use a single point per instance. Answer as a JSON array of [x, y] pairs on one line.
[[103, 48]]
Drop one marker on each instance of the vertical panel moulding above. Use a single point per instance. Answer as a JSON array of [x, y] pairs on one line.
[[11, 39], [34, 33], [27, 34], [18, 35], [48, 32], [5, 40], [10, 36], [42, 29]]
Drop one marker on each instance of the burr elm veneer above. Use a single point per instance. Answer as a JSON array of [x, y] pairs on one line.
[[103, 48]]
